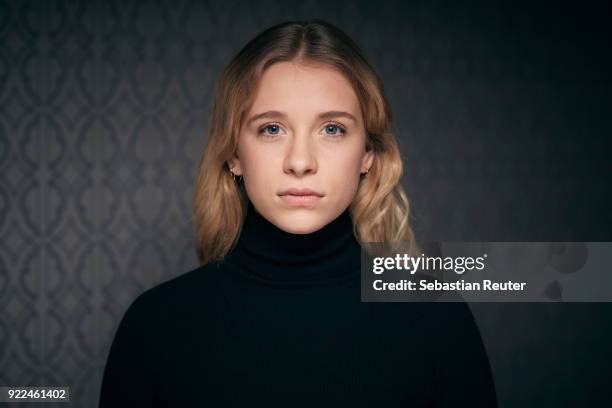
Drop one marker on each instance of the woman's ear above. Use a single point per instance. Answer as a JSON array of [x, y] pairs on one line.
[[368, 157], [234, 165]]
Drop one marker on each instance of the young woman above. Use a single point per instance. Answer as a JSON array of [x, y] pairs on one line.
[[300, 167]]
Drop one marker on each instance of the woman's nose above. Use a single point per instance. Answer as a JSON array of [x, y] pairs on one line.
[[300, 157]]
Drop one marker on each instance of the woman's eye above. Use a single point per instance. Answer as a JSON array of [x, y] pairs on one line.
[[332, 129], [270, 129]]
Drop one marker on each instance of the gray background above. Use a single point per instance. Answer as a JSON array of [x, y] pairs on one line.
[[502, 113]]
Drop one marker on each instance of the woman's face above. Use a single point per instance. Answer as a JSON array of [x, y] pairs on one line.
[[304, 130]]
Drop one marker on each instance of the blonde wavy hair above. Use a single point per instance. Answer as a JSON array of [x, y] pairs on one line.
[[380, 210]]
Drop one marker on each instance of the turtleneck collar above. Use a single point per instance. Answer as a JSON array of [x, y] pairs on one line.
[[270, 254]]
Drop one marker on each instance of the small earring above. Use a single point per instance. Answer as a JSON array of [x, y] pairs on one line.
[[234, 175], [366, 172]]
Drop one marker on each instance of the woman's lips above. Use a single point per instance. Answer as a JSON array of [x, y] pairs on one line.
[[300, 200]]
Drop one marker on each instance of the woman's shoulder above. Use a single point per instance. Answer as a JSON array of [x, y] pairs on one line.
[[178, 292]]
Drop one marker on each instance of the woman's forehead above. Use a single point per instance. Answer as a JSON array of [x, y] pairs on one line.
[[290, 87]]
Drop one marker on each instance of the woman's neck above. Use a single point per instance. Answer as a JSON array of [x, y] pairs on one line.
[[272, 255]]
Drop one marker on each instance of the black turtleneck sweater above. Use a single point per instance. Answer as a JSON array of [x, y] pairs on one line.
[[279, 323]]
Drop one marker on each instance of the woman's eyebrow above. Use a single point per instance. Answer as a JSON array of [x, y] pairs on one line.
[[272, 114]]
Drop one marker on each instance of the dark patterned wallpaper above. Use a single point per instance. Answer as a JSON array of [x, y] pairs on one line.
[[502, 114]]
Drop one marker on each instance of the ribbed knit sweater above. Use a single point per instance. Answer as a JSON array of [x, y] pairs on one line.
[[279, 323]]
